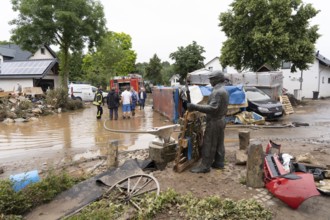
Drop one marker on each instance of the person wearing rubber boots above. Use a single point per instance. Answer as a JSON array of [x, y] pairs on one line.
[[98, 101], [213, 149]]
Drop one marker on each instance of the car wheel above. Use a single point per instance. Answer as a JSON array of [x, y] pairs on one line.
[[78, 98]]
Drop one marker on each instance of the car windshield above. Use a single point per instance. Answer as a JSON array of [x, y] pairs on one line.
[[254, 94]]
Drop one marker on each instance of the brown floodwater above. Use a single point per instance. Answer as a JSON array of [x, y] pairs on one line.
[[70, 136]]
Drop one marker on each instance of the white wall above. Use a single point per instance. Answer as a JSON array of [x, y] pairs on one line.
[[9, 85], [324, 81], [39, 55], [291, 81], [214, 65], [56, 79]]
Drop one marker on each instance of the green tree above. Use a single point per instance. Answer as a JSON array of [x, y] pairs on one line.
[[5, 42], [140, 68], [268, 31], [188, 59], [167, 72], [153, 70], [117, 55], [113, 57], [69, 24], [93, 70]]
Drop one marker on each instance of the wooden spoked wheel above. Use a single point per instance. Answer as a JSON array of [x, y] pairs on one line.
[[131, 190]]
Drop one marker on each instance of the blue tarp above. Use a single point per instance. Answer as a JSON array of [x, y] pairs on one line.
[[236, 93]]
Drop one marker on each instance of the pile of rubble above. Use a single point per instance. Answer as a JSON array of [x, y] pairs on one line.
[[24, 108]]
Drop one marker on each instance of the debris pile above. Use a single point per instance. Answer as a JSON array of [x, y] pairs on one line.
[[26, 107], [21, 108]]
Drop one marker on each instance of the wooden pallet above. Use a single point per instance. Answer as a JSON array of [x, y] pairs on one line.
[[187, 155], [288, 109]]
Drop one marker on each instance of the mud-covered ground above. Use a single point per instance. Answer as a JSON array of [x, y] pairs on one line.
[[313, 139]]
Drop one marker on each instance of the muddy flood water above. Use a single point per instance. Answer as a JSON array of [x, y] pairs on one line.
[[71, 136]]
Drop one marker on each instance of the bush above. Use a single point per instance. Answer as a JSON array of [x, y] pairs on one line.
[[20, 202], [57, 97], [74, 104]]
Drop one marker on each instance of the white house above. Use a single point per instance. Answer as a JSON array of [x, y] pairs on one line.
[[214, 64], [303, 84], [30, 70], [311, 83], [174, 80]]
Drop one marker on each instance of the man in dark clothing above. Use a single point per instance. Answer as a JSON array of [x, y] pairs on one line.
[[98, 101], [113, 103], [142, 98], [213, 149]]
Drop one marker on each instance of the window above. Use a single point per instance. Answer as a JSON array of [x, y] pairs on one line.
[[328, 80], [42, 50], [286, 65]]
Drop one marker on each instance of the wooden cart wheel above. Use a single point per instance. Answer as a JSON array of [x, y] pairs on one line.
[[130, 190]]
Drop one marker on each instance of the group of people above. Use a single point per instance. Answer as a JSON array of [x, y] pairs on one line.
[[213, 149], [129, 98]]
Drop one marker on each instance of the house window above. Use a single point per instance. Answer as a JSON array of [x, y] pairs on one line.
[[328, 80], [286, 65], [42, 50]]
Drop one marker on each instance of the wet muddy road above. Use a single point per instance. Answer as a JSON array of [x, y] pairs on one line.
[[68, 137], [71, 136]]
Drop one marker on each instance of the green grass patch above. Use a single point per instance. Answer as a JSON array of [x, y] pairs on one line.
[[170, 204], [19, 203]]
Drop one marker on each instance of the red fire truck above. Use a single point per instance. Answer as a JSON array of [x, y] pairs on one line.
[[121, 82]]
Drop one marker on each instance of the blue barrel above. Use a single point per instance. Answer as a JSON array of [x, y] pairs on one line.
[[23, 179]]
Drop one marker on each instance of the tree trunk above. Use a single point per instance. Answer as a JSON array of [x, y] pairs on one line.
[[64, 70]]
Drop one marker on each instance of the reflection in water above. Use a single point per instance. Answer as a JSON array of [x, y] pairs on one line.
[[74, 133]]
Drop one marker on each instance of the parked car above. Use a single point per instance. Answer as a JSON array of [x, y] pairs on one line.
[[260, 103]]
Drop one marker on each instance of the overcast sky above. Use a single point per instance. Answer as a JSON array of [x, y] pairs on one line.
[[160, 27]]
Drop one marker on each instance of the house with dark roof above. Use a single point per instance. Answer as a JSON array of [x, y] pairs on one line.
[[311, 83], [39, 69]]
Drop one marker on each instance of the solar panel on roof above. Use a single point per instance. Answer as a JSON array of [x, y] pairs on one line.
[[31, 67]]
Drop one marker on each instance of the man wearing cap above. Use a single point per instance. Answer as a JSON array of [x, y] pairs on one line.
[[213, 149]]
